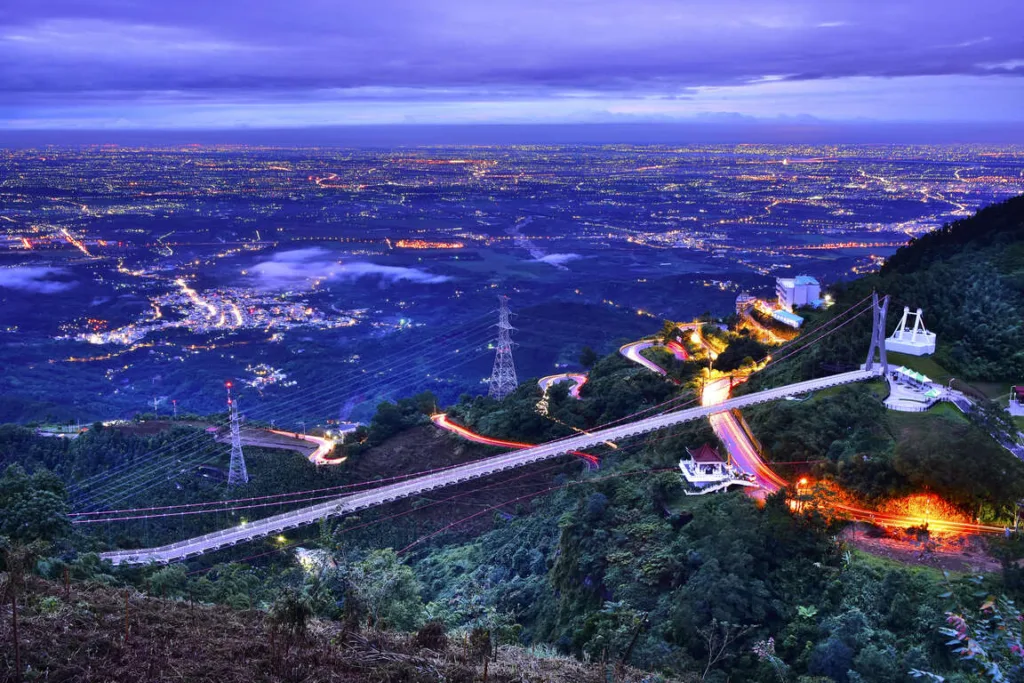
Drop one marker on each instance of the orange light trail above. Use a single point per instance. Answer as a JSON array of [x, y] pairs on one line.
[[441, 420], [427, 244]]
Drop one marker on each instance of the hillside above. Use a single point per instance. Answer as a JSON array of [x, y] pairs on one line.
[[98, 633], [615, 564], [968, 277]]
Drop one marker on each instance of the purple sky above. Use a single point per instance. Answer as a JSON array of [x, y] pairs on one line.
[[252, 63]]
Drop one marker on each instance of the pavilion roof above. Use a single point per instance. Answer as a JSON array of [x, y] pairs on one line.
[[704, 454], [913, 375]]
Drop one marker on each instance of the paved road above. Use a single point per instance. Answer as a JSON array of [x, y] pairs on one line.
[[462, 473], [324, 447], [632, 352], [737, 443], [578, 380]]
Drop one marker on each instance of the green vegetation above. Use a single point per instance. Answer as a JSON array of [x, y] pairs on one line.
[[35, 507], [742, 352], [882, 454], [617, 566], [616, 388], [969, 279], [620, 566]]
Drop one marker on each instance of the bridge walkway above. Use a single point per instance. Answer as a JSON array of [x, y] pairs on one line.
[[462, 473]]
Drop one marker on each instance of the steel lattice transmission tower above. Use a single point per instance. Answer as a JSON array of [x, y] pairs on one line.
[[503, 377], [237, 474]]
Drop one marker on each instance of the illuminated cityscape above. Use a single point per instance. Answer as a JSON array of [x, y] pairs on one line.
[[188, 262]]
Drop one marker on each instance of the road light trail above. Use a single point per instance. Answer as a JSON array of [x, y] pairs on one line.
[[745, 456], [737, 443], [324, 447], [577, 379], [441, 420], [632, 352]]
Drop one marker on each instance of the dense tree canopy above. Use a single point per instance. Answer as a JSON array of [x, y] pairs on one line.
[[34, 506]]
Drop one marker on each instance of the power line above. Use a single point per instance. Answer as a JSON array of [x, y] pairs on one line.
[[306, 399], [151, 478]]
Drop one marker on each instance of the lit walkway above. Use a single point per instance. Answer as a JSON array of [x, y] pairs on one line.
[[462, 473]]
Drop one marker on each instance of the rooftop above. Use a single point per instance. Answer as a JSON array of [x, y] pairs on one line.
[[797, 281], [787, 317], [917, 376], [704, 454]]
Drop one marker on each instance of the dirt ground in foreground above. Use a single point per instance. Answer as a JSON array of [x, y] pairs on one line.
[[98, 634], [950, 553]]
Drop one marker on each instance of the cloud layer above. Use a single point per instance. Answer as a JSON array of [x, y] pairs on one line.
[[220, 62], [559, 259], [34, 279], [299, 269]]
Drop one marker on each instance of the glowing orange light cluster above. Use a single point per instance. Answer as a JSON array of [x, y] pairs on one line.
[[925, 506], [426, 244]]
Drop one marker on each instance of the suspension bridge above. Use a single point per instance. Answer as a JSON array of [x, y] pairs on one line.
[[345, 504]]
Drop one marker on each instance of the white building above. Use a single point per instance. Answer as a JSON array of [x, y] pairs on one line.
[[706, 472], [802, 290], [912, 339]]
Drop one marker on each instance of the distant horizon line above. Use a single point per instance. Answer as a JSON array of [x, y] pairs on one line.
[[738, 131]]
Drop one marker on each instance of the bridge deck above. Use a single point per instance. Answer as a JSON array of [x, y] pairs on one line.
[[462, 473]]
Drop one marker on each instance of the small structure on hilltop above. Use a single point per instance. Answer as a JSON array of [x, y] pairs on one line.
[[911, 378], [912, 339], [744, 302], [61, 431], [1016, 401], [707, 472]]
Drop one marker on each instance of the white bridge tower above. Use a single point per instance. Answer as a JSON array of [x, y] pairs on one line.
[[878, 312]]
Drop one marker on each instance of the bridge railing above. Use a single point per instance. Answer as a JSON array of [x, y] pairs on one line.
[[466, 472]]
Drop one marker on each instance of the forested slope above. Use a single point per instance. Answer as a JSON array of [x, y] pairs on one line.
[[968, 277]]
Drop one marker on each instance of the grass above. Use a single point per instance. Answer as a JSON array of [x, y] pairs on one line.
[[934, 574], [877, 387], [996, 391], [927, 420]]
